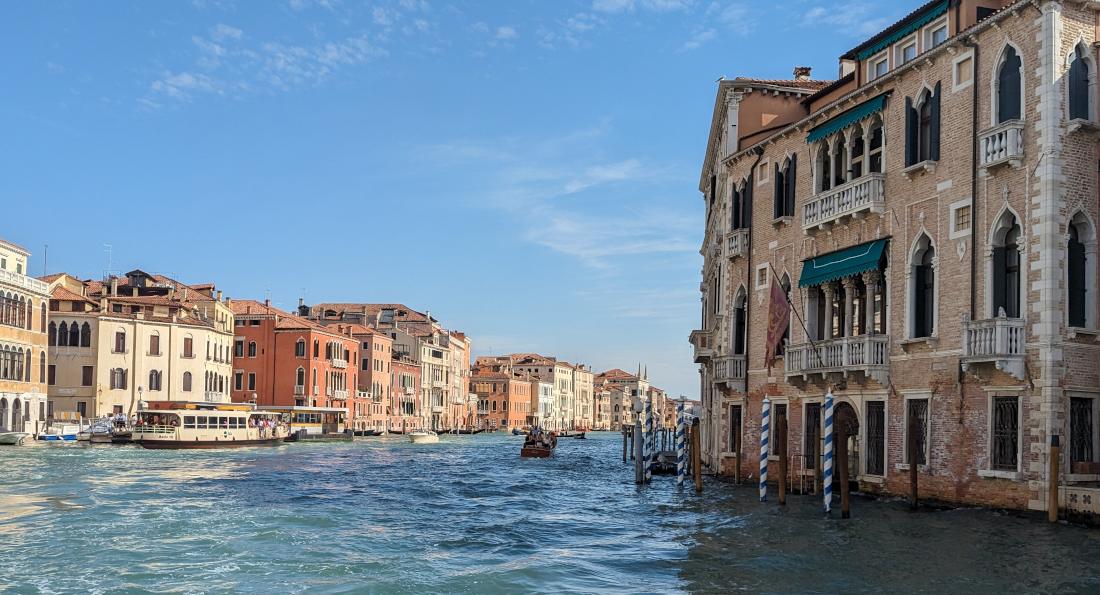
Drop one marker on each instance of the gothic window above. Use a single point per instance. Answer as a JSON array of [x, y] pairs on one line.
[[85, 335], [154, 380], [1008, 90], [63, 335], [52, 333], [74, 335], [1078, 86], [1076, 281], [300, 348], [826, 169], [1006, 267], [252, 349], [840, 176], [922, 127], [785, 188], [739, 319], [301, 379], [924, 289]]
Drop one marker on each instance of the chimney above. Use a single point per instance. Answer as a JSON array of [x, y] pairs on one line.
[[801, 73], [228, 302], [428, 313], [171, 293], [183, 296], [103, 304], [135, 292], [219, 295], [267, 303], [114, 286]]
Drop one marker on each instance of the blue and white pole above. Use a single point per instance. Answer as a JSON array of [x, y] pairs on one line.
[[828, 465], [681, 454], [764, 425], [649, 441]]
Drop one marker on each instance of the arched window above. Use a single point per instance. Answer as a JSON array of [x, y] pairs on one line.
[[300, 348], [30, 315], [1079, 86], [301, 378], [42, 367], [785, 188], [922, 127], [924, 289], [825, 168], [30, 363], [118, 379], [154, 380], [1081, 273], [187, 382], [85, 335], [252, 349], [63, 335], [42, 316], [739, 303], [74, 335], [52, 333], [1009, 92], [840, 175], [315, 378], [1006, 266], [154, 343]]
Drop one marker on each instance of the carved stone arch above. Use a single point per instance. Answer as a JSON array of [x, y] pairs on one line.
[[1080, 270], [740, 295], [999, 226], [1089, 60], [995, 81], [921, 244]]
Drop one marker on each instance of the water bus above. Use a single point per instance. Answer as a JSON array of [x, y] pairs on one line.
[[311, 423], [182, 424]]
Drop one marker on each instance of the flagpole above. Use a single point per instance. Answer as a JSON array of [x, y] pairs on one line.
[[793, 309]]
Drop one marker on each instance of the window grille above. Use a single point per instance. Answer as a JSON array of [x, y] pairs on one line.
[[918, 408], [1081, 430], [876, 438], [1006, 433], [735, 427]]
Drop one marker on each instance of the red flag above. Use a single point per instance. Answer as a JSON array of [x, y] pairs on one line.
[[779, 317]]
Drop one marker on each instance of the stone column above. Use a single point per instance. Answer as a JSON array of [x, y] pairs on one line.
[[849, 303], [870, 279], [848, 155], [1090, 283], [829, 289]]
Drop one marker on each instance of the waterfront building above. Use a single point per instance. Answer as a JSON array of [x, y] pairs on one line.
[[23, 342], [282, 359], [562, 376], [376, 380], [406, 387], [584, 410], [115, 342], [503, 397], [601, 399], [542, 402], [930, 218]]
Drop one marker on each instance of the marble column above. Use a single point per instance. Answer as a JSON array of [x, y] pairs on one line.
[[849, 284], [870, 279], [829, 289]]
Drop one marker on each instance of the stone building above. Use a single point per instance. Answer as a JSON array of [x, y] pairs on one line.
[[23, 320], [930, 217]]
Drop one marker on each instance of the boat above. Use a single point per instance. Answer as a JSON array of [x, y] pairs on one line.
[[535, 447], [102, 433], [579, 436], [311, 423], [12, 438], [60, 432], [519, 432], [182, 424], [423, 437]]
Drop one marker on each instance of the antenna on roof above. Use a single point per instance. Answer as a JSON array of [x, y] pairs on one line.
[[45, 257], [110, 257]]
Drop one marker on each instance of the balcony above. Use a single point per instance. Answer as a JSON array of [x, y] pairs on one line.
[[437, 409], [340, 395], [852, 200], [869, 354], [438, 384], [730, 370], [704, 346], [212, 397], [1002, 145], [340, 363], [410, 390], [999, 341], [299, 390], [24, 282], [359, 394], [737, 244]]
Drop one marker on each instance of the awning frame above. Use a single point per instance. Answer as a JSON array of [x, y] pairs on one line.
[[842, 263]]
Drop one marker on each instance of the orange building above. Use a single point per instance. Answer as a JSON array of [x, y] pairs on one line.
[[282, 359], [504, 397]]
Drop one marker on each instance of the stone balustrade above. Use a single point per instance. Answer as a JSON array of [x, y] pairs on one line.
[[852, 200]]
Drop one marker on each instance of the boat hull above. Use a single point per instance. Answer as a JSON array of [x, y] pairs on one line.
[[423, 438], [12, 438], [205, 444], [535, 452], [58, 437]]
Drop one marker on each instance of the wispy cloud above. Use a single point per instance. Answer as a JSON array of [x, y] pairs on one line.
[[855, 18], [507, 32], [618, 6], [699, 39]]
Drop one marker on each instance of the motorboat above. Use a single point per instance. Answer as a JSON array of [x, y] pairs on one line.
[[101, 433], [538, 446], [423, 437], [60, 431], [12, 438], [181, 424]]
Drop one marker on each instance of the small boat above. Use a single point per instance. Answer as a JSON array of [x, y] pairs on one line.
[[518, 432], [579, 436], [60, 431], [535, 451], [423, 437], [12, 438]]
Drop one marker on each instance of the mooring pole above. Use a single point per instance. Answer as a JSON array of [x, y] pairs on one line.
[[817, 458], [765, 411], [639, 456], [737, 446], [827, 464], [622, 429], [695, 456], [781, 450], [681, 456], [842, 462], [1055, 452], [913, 458]]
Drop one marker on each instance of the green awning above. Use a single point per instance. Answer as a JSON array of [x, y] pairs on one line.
[[847, 118], [921, 21], [840, 264]]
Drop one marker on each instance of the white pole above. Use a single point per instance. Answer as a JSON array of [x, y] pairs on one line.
[[828, 466], [764, 414]]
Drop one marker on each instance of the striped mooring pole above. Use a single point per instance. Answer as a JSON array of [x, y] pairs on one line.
[[650, 440], [828, 464], [764, 414], [681, 452]]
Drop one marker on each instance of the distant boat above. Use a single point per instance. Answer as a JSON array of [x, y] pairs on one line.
[[12, 438], [423, 437], [518, 432], [60, 431]]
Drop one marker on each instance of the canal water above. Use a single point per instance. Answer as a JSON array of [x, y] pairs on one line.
[[467, 515]]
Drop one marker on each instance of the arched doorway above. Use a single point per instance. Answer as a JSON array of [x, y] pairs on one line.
[[3, 414], [846, 424], [16, 416]]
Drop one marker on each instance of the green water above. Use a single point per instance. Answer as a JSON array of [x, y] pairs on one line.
[[468, 515]]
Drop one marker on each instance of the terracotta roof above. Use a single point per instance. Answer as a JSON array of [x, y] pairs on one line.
[[808, 84], [615, 374], [202, 286], [151, 300], [60, 293], [53, 277], [242, 307], [371, 309], [298, 323]]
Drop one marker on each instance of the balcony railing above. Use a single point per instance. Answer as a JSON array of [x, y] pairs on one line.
[[340, 363], [24, 282], [212, 397], [1002, 144], [737, 243], [339, 394], [438, 384], [410, 390], [299, 390], [730, 369], [997, 340], [704, 346], [851, 200], [869, 354]]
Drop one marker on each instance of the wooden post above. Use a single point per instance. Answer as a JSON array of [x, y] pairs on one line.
[[1055, 452], [737, 447], [842, 463], [781, 451], [622, 429], [913, 458], [817, 458], [695, 458]]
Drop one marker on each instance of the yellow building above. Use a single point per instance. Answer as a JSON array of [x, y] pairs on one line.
[[139, 337], [22, 342]]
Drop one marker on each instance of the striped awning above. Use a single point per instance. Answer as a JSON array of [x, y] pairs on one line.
[[847, 118], [842, 263]]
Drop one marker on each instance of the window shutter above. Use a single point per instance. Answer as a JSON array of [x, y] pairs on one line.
[[746, 221], [735, 220], [920, 305], [777, 184], [934, 142], [1079, 88], [1077, 284], [910, 132], [792, 175], [999, 280]]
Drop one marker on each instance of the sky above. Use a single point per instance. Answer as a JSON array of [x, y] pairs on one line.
[[527, 170]]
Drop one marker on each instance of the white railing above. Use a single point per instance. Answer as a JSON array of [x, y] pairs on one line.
[[340, 363], [328, 391], [729, 367], [845, 354], [212, 397], [1002, 143], [993, 338], [410, 390], [299, 390], [437, 409], [316, 390], [24, 282], [437, 384], [339, 394], [846, 200], [737, 243], [704, 348]]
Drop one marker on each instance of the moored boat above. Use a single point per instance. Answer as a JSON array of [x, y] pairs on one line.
[[423, 437], [180, 424], [12, 438], [60, 432]]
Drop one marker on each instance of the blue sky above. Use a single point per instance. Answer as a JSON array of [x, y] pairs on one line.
[[526, 170]]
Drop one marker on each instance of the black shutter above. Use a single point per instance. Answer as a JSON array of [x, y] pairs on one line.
[[920, 305], [746, 221], [1079, 88], [778, 186], [910, 133], [792, 175], [934, 143], [735, 212], [999, 280], [1076, 284]]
